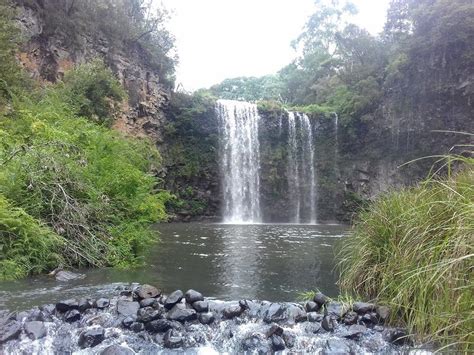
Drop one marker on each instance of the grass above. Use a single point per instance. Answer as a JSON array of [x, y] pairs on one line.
[[414, 249]]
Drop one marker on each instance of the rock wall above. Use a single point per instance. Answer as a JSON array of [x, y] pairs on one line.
[[48, 52]]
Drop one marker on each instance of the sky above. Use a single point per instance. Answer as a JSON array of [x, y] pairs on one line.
[[219, 39]]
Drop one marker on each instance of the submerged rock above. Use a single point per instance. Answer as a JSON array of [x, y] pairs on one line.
[[278, 344], [336, 347], [172, 340], [10, 330], [91, 337], [65, 276]]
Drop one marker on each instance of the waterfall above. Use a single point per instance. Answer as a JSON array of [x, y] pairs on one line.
[[301, 171], [239, 161]]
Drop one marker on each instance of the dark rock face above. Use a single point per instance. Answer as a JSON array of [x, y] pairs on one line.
[[321, 299], [275, 329], [148, 314], [206, 318], [335, 309], [350, 318], [278, 344], [10, 330], [64, 306], [362, 307], [173, 298], [35, 330], [84, 304], [311, 306], [137, 327], [127, 308], [192, 296], [159, 326], [182, 314], [315, 317], [147, 291], [128, 321], [275, 313], [148, 302], [329, 323], [91, 337]]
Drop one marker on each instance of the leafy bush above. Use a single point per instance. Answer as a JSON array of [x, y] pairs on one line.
[[93, 91], [27, 246], [414, 249]]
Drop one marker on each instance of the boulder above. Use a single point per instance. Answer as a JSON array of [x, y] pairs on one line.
[[173, 298], [102, 303], [127, 308], [329, 323], [72, 316], [206, 318], [181, 314], [172, 340], [275, 313], [35, 330], [192, 296], [311, 306], [362, 307], [274, 329], [314, 317], [383, 312], [91, 337], [278, 344], [201, 306], [117, 350], [9, 331], [148, 314], [64, 306], [128, 321], [232, 311], [350, 318], [148, 302], [147, 291], [321, 299], [335, 309], [84, 304], [158, 326], [354, 331]]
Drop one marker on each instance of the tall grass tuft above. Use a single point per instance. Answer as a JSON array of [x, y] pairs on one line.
[[414, 249]]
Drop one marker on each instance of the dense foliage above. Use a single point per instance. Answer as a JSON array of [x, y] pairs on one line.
[[72, 192], [414, 249]]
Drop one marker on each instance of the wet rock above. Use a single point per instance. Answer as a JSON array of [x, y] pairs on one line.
[[181, 314], [379, 328], [383, 312], [48, 308], [350, 318], [21, 316], [362, 307], [192, 296], [329, 323], [355, 331], [128, 321], [278, 344], [148, 314], [321, 299], [275, 313], [172, 340], [232, 311], [201, 306], [147, 291], [148, 302], [84, 304], [35, 330], [72, 316], [315, 317], [290, 339], [275, 329], [137, 327], [398, 336], [91, 337], [158, 326], [117, 350], [102, 303], [296, 314], [64, 306], [245, 304], [173, 298], [34, 315], [206, 318], [336, 347], [9, 331], [255, 344], [335, 309], [127, 308], [369, 319], [65, 276], [311, 306]]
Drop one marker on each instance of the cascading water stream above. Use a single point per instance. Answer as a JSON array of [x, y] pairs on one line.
[[308, 166], [293, 169], [240, 161]]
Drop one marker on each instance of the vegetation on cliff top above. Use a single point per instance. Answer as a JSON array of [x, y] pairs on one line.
[[414, 249], [72, 191]]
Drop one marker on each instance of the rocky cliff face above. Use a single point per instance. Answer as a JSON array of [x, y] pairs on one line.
[[49, 52]]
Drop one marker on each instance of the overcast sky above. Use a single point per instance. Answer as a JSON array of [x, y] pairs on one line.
[[219, 39]]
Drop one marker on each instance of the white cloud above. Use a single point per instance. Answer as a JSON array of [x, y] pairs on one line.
[[218, 39]]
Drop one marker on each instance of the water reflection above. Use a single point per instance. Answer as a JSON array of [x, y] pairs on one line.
[[273, 262]]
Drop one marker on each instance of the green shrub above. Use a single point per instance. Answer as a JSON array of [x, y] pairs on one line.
[[26, 245], [93, 91], [414, 249]]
